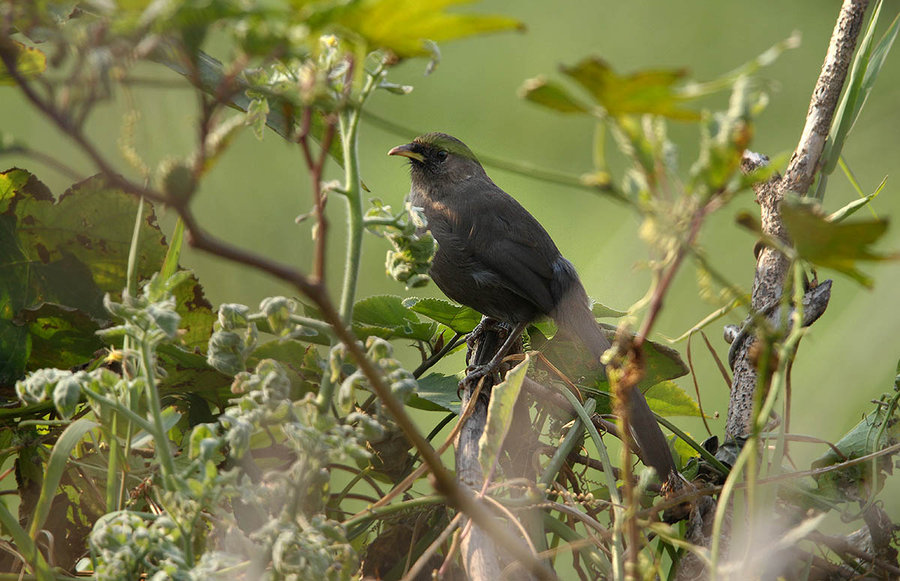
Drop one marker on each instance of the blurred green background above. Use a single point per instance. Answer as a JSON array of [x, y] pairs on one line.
[[254, 195]]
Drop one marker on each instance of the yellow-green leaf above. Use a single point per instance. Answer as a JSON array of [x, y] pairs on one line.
[[405, 26], [552, 95], [667, 399], [30, 62], [645, 92]]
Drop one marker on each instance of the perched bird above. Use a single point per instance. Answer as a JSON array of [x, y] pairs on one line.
[[496, 258]]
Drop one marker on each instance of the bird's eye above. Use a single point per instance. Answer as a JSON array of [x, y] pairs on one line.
[[441, 155]]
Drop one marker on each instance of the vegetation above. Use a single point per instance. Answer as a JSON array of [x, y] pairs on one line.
[[153, 434]]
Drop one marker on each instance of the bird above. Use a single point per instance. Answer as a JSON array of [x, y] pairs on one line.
[[495, 257]]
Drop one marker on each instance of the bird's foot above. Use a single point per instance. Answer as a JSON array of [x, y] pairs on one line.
[[477, 334], [475, 372]]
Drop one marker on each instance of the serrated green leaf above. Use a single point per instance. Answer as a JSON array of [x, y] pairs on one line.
[[837, 246], [460, 318], [68, 253], [551, 95], [645, 92], [667, 399], [499, 415], [30, 63], [385, 316], [405, 26]]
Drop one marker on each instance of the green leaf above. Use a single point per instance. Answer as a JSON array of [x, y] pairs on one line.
[[301, 362], [55, 468], [499, 415], [852, 207], [60, 336], [385, 316], [601, 311], [30, 63], [460, 318], [405, 26], [837, 246], [869, 435], [189, 372], [68, 253], [442, 391], [572, 358], [196, 313], [645, 92], [25, 546], [668, 399], [551, 95]]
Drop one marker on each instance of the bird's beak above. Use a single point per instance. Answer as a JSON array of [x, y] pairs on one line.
[[407, 151]]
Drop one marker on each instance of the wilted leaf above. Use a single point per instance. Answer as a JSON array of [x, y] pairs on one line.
[[830, 245], [644, 92], [499, 415]]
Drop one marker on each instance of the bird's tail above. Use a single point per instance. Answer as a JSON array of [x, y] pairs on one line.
[[573, 315]]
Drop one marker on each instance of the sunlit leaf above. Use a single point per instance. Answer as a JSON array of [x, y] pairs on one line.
[[30, 62], [667, 399], [404, 26], [645, 92]]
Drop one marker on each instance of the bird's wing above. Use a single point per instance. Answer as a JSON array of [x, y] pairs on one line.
[[514, 246]]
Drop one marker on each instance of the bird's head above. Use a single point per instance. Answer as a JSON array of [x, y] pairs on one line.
[[437, 159]]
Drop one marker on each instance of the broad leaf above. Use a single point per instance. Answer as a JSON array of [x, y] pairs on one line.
[[667, 399], [460, 318], [833, 245], [68, 253], [405, 26], [30, 62], [60, 336], [385, 316], [645, 92], [551, 95], [442, 391]]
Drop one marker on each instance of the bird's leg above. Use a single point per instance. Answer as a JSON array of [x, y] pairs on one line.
[[476, 372]]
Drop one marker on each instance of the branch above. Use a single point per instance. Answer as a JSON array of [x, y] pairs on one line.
[[462, 500], [772, 266]]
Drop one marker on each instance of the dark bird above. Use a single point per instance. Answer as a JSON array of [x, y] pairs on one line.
[[496, 258]]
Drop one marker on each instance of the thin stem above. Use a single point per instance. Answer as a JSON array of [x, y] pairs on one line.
[[167, 463], [659, 292]]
